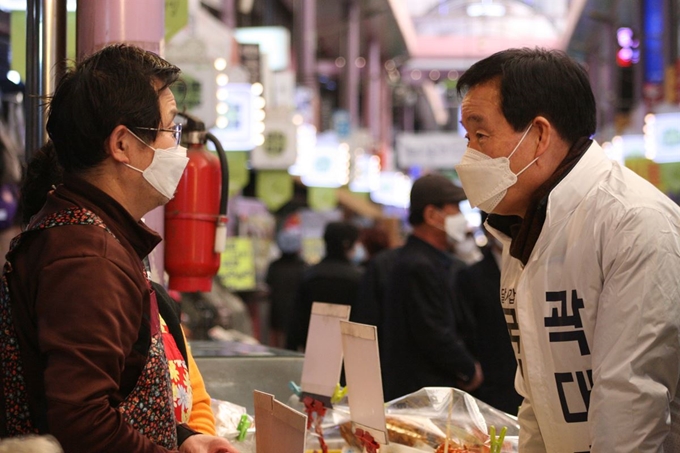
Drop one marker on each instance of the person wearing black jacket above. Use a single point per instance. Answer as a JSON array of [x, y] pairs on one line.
[[334, 280], [421, 345], [284, 276]]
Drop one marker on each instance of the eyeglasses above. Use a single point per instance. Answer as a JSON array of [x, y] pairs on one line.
[[176, 131]]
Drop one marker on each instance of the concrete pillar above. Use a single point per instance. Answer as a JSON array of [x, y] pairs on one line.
[[372, 111], [45, 63], [228, 15], [352, 73], [408, 118], [386, 123], [307, 58]]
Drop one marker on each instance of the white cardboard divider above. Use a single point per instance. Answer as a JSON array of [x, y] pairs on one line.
[[278, 427], [323, 352], [364, 382]]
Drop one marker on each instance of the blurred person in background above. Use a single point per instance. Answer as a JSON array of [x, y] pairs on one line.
[[478, 290], [284, 276], [376, 266], [9, 220], [94, 352], [11, 169], [372, 288], [333, 280], [458, 235], [421, 344], [466, 249], [373, 240]]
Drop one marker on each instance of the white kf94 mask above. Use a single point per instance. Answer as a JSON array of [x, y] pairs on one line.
[[166, 168], [486, 180]]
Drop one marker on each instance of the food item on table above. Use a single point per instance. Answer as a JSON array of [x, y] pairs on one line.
[[455, 448], [399, 431], [410, 434]]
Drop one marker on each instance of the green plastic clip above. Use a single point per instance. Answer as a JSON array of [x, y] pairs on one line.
[[496, 443], [242, 427], [338, 394], [295, 388]]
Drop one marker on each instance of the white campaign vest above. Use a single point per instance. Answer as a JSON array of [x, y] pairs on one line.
[[594, 316]]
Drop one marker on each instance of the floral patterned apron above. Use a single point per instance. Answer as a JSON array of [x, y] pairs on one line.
[[148, 408]]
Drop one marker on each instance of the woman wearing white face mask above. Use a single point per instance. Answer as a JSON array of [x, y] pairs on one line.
[[87, 340], [167, 165]]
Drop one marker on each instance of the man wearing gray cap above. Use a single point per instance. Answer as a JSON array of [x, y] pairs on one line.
[[420, 344]]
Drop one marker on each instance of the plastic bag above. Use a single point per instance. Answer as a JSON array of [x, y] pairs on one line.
[[415, 423], [227, 418], [420, 422]]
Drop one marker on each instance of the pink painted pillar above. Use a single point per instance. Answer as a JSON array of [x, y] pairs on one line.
[[352, 71], [139, 22], [373, 89], [307, 65], [228, 14], [386, 124], [104, 22]]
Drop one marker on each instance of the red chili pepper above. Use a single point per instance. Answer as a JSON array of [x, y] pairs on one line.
[[367, 441], [315, 411]]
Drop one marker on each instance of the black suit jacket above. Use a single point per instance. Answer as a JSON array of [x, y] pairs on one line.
[[421, 345]]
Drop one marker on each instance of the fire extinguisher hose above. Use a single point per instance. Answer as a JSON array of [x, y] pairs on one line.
[[221, 228]]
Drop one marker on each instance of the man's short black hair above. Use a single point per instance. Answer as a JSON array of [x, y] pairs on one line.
[[339, 238], [539, 82]]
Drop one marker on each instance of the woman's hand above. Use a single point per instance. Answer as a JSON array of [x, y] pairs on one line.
[[202, 443]]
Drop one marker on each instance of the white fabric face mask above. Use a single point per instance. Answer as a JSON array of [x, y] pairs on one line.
[[467, 249], [358, 254], [486, 180], [455, 227], [166, 168]]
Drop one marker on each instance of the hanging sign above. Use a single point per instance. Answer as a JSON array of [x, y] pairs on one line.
[[176, 17], [279, 150], [237, 269], [274, 188], [322, 198]]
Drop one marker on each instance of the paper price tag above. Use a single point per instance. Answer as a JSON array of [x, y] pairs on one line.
[[323, 352], [278, 427], [364, 382]]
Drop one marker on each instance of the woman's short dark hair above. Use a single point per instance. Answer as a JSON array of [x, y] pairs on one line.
[[539, 82], [120, 84]]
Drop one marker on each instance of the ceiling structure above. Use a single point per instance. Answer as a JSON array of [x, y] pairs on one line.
[[453, 34], [377, 22], [426, 41]]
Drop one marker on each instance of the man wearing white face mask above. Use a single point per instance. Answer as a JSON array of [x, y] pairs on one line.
[[421, 344], [591, 252]]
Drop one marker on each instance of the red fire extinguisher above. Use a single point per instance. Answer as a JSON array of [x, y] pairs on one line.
[[196, 219]]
